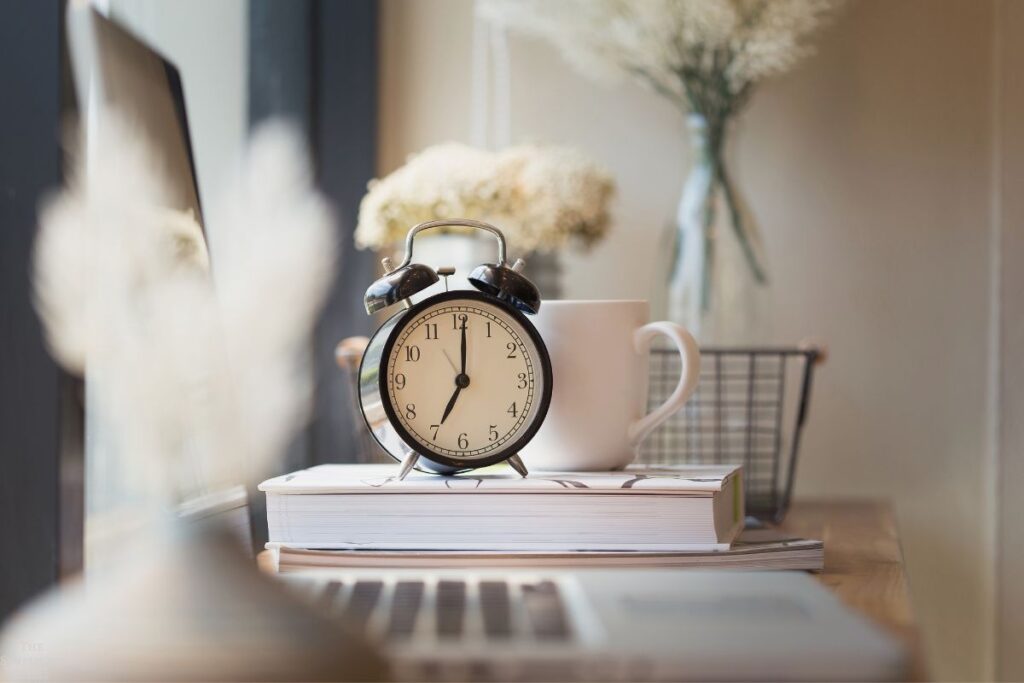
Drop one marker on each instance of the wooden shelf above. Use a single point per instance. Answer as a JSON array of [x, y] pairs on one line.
[[863, 564]]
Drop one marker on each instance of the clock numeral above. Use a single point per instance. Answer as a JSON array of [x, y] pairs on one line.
[[435, 428], [400, 381], [488, 328], [410, 411], [512, 409], [463, 441], [511, 346], [522, 381], [492, 434], [412, 353], [431, 330], [455, 321]]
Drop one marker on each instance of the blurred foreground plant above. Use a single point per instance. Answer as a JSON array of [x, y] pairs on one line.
[[198, 376]]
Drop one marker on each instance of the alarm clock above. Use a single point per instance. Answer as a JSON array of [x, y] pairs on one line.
[[461, 379]]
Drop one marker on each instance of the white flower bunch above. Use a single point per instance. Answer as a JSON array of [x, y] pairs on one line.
[[704, 55], [542, 198]]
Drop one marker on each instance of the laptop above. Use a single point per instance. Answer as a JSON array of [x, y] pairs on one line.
[[605, 625], [617, 624], [115, 70]]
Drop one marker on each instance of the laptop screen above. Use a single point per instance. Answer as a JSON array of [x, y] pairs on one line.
[[115, 70]]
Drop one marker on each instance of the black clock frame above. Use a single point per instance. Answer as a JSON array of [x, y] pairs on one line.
[[445, 461]]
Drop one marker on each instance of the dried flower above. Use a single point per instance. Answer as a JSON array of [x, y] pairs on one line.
[[703, 55], [542, 198], [193, 382]]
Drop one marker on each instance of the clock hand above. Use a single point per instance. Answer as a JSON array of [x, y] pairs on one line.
[[450, 361], [461, 380], [463, 345], [451, 404]]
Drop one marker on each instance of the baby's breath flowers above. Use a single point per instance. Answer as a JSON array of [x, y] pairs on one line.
[[543, 198], [703, 55]]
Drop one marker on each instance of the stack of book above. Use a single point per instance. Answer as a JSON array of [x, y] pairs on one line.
[[670, 516]]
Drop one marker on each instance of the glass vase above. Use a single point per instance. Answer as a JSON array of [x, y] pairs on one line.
[[717, 285]]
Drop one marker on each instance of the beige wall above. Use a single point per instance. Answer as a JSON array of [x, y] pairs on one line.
[[870, 168]]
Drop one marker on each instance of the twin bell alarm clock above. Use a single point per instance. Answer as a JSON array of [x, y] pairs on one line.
[[461, 379]]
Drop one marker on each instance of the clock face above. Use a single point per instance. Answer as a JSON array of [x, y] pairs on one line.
[[465, 379]]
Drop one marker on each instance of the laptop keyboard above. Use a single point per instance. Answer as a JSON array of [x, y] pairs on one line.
[[450, 609]]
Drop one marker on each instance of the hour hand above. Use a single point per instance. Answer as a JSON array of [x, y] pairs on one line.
[[451, 404]]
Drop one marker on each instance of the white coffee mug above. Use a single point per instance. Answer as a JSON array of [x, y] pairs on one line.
[[600, 354]]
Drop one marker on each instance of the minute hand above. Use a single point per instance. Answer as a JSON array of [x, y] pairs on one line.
[[463, 345]]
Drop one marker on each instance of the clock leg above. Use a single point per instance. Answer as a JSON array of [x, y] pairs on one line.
[[517, 464], [407, 465]]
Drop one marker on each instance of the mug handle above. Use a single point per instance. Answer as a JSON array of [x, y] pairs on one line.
[[689, 354]]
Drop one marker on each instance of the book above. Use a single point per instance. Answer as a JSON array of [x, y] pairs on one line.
[[652, 509], [763, 549]]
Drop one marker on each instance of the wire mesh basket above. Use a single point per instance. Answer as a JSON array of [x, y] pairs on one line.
[[749, 408]]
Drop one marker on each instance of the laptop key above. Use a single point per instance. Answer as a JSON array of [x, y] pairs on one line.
[[405, 607], [545, 610], [330, 594], [496, 609], [361, 602], [451, 608]]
